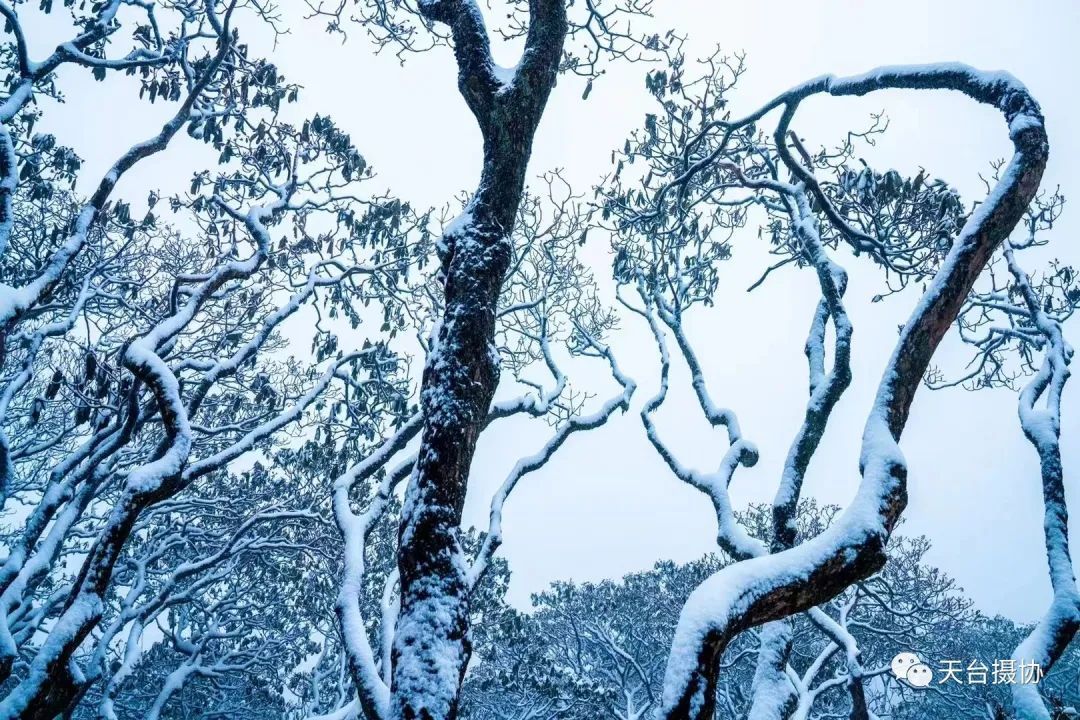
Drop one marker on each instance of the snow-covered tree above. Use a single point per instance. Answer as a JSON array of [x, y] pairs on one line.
[[592, 650], [705, 171], [431, 647], [237, 422], [142, 354], [547, 319], [1014, 320]]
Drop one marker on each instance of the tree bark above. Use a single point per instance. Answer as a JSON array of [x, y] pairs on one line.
[[431, 645]]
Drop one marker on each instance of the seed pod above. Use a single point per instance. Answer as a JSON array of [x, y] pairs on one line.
[[54, 384], [91, 366]]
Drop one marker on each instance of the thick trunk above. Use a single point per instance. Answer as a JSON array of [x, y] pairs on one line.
[[431, 644]]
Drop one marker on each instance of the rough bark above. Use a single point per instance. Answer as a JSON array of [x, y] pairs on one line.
[[431, 647]]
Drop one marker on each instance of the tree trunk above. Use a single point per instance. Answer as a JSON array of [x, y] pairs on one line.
[[431, 645]]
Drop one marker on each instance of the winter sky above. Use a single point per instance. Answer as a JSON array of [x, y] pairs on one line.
[[606, 505]]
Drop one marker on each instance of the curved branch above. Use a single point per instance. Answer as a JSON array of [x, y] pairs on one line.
[[761, 589]]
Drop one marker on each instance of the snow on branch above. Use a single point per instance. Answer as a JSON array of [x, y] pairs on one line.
[[771, 587], [178, 381], [1010, 321]]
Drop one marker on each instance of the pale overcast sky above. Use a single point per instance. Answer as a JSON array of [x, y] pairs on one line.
[[607, 505]]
